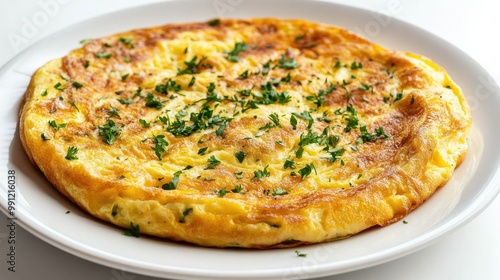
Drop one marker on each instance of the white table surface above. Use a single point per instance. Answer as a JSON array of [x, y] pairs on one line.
[[471, 252]]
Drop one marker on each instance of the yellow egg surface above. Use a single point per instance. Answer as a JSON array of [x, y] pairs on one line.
[[254, 133]]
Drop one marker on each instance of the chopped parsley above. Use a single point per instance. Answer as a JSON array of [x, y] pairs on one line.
[[114, 112], [222, 192], [160, 146], [356, 65], [185, 213], [244, 75], [169, 85], [319, 98], [74, 105], [191, 83], [126, 101], [86, 63], [237, 189], [287, 63], [238, 47], [44, 138], [351, 116], [399, 96], [56, 126], [133, 231], [126, 41], [289, 163], [212, 162], [71, 154], [58, 87], [240, 156], [260, 174], [173, 183], [336, 154], [299, 254], [293, 122], [305, 116], [110, 131], [124, 77], [202, 151], [214, 22], [191, 66], [279, 191], [144, 123], [77, 85], [44, 93], [103, 55], [368, 137], [153, 102], [304, 172]]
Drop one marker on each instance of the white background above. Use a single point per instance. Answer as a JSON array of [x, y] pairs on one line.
[[472, 252]]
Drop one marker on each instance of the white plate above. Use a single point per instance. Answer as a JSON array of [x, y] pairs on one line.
[[40, 209]]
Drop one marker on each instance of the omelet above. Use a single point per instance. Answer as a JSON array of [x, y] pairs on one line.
[[252, 133]]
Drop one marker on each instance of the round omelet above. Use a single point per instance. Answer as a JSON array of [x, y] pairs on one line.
[[251, 133]]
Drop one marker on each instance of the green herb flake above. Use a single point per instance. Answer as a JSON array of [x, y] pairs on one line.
[[77, 85], [238, 47], [103, 55], [287, 63], [243, 75], [214, 22], [58, 87], [306, 171], [399, 96], [356, 65], [300, 254], [56, 126], [173, 183], [305, 116], [133, 231], [84, 41], [202, 151], [114, 112], [110, 131], [293, 122], [368, 137], [86, 63], [71, 154], [126, 101], [289, 163], [300, 37], [44, 93], [74, 105], [124, 77], [185, 213], [44, 138], [240, 156], [160, 146], [191, 66], [212, 162], [237, 189], [222, 192], [169, 85], [279, 191], [191, 83], [260, 174], [126, 41]]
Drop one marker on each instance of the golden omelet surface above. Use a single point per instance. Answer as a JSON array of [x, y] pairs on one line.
[[247, 133]]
